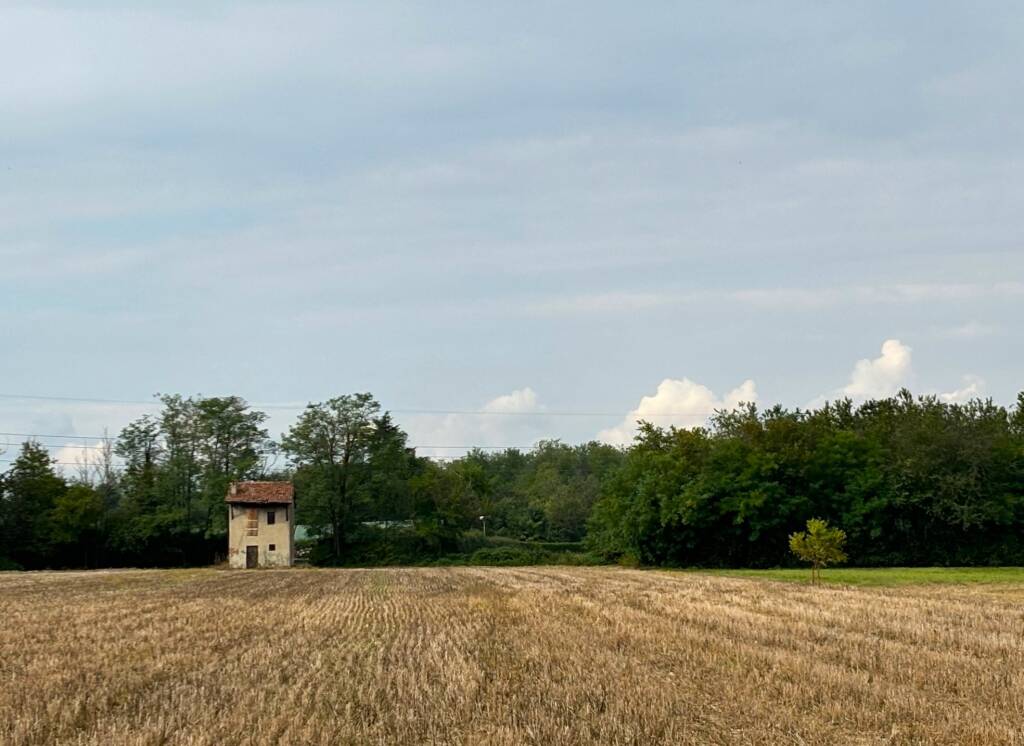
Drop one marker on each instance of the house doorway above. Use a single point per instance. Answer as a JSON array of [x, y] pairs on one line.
[[252, 557]]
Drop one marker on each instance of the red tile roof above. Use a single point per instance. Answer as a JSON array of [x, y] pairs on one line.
[[271, 493]]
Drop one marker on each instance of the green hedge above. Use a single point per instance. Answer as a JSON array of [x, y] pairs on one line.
[[511, 556], [373, 548], [471, 541]]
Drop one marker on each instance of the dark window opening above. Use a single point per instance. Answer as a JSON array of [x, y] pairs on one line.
[[270, 517], [273, 547]]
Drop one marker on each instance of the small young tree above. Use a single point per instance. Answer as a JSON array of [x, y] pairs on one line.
[[820, 545]]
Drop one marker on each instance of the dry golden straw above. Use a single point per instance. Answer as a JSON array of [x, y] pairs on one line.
[[501, 656]]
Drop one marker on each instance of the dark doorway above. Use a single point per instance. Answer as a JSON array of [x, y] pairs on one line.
[[252, 556]]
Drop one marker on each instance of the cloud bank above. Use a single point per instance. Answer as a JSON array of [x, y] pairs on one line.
[[679, 402], [881, 376], [686, 403], [499, 423]]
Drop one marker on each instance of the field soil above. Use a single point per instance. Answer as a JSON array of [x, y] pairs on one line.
[[502, 656]]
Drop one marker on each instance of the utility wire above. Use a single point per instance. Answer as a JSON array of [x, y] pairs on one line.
[[297, 407], [58, 446], [78, 446], [69, 437], [467, 412], [88, 400], [549, 413], [58, 463]]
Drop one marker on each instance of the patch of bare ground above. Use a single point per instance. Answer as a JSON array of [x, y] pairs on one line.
[[502, 656]]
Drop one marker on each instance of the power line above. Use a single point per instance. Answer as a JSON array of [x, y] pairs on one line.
[[80, 446], [466, 412], [551, 413], [66, 445], [103, 447], [69, 437], [57, 463], [134, 402], [76, 446], [296, 407], [58, 446], [484, 448], [33, 397]]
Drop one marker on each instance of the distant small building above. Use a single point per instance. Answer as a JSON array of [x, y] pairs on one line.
[[260, 524]]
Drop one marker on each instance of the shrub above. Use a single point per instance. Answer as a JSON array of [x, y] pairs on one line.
[[629, 559], [820, 546], [512, 556], [505, 557], [577, 559]]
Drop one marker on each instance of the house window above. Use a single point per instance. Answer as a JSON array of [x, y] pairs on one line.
[[252, 522], [272, 547], [286, 515], [271, 518]]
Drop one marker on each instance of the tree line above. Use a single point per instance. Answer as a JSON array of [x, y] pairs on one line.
[[911, 481]]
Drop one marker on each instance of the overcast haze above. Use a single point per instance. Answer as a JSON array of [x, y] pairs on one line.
[[536, 208]]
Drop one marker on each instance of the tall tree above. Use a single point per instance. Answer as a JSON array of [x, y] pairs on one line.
[[179, 477], [440, 496], [178, 466], [391, 464], [77, 521], [231, 446], [330, 446], [30, 491], [142, 515]]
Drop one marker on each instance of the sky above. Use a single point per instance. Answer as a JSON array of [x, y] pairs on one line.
[[555, 216]]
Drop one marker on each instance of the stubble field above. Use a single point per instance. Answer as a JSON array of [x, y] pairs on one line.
[[502, 656]]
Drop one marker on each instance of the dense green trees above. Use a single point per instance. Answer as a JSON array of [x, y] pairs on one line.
[[910, 481], [363, 492], [155, 496], [31, 490], [546, 494], [169, 506], [351, 465]]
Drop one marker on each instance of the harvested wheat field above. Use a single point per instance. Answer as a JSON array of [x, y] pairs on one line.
[[534, 655]]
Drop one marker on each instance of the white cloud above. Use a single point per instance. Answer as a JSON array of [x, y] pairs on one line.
[[75, 458], [71, 431], [973, 388], [513, 419], [679, 402], [519, 401], [882, 376], [22, 418], [685, 403]]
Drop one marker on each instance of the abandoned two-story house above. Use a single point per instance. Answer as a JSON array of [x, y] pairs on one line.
[[261, 517]]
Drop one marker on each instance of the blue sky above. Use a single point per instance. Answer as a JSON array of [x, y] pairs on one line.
[[533, 207]]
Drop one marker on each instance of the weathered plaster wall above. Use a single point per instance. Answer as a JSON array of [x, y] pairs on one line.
[[279, 534]]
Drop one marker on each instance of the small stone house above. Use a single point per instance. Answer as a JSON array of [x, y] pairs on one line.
[[261, 519]]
